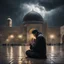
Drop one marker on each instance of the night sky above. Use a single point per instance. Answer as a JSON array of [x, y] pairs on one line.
[[52, 11]]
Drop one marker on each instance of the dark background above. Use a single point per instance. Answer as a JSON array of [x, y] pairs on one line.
[[14, 9]]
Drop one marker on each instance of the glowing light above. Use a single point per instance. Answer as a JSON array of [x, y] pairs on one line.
[[7, 40], [11, 36], [35, 7], [32, 36], [20, 36], [52, 36]]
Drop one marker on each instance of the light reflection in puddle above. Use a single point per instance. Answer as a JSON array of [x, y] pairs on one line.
[[52, 51], [9, 51], [17, 54], [20, 55]]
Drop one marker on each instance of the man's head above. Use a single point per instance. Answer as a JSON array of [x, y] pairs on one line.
[[35, 32]]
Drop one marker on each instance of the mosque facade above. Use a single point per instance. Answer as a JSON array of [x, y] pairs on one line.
[[62, 34], [22, 34]]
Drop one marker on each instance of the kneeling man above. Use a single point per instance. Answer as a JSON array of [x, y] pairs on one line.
[[38, 49]]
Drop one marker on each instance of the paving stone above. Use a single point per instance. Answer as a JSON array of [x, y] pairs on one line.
[[16, 55]]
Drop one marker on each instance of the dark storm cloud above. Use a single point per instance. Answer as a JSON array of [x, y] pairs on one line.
[[12, 8], [50, 4], [55, 17]]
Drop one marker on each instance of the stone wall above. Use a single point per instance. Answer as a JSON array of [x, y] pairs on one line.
[[53, 35], [62, 33]]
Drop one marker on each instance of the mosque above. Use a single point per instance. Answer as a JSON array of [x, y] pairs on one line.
[[22, 34]]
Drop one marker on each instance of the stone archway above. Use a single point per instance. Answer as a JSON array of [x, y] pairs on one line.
[[63, 39]]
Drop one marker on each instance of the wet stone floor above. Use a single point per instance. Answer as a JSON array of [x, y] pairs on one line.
[[16, 55]]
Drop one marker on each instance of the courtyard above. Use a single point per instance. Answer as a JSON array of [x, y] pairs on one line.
[[16, 55]]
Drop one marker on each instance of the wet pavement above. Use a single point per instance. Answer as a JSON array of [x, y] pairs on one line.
[[16, 55]]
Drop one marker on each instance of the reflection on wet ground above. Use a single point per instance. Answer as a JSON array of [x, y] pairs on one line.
[[16, 55]]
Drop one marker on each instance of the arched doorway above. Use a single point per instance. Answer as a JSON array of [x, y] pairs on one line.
[[63, 39], [30, 36]]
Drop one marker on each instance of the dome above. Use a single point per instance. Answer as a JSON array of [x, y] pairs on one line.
[[32, 17]]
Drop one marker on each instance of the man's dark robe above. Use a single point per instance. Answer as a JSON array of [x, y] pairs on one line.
[[38, 49]]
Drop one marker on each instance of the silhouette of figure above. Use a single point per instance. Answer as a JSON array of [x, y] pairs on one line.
[[38, 49]]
